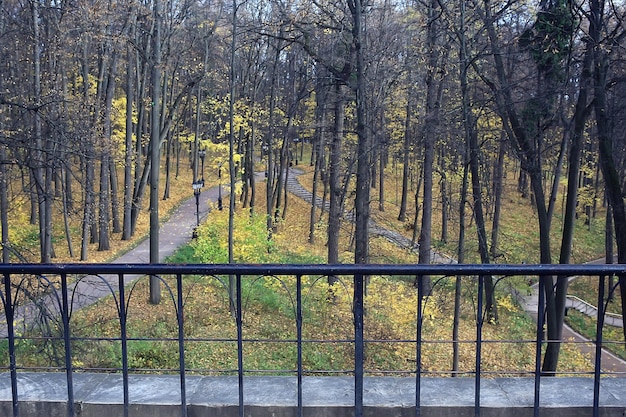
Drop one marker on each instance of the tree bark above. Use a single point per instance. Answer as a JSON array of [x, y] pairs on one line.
[[318, 143], [605, 143], [4, 206], [405, 155], [155, 152], [498, 185], [430, 131], [128, 146], [362, 199], [335, 206]]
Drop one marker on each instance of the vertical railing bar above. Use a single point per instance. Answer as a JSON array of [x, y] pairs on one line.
[[181, 345], [540, 322], [68, 346], [9, 312], [359, 345], [299, 338], [124, 341], [418, 349], [239, 319], [479, 344], [598, 358]]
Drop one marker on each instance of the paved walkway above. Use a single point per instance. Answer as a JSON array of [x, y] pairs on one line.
[[610, 362]]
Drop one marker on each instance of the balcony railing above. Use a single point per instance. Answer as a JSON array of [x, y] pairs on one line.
[[41, 304]]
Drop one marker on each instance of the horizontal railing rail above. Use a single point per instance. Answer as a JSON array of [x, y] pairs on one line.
[[41, 303]]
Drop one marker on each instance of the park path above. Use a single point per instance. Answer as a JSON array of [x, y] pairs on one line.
[[610, 362]]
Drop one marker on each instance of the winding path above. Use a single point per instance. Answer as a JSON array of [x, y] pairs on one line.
[[294, 187]]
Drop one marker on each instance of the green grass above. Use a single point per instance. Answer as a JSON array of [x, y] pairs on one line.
[[613, 337]]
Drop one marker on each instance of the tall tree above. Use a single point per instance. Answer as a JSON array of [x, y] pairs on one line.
[[433, 82], [599, 28], [548, 43], [362, 198], [155, 150]]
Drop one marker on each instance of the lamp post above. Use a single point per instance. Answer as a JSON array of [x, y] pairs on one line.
[[197, 185], [219, 188], [202, 154]]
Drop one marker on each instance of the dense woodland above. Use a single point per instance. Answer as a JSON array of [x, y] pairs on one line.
[[92, 92]]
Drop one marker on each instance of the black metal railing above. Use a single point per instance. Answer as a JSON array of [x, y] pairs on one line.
[[42, 305]]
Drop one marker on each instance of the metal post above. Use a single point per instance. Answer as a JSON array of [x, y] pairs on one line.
[[9, 312], [239, 321], [196, 192], [299, 340], [479, 335], [418, 347], [68, 346], [598, 351], [202, 154], [220, 206], [541, 309], [359, 345], [124, 341], [181, 344]]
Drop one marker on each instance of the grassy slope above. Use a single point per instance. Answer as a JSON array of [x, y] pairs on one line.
[[391, 317], [390, 320]]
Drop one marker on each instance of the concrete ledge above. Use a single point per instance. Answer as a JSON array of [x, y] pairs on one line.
[[45, 394]]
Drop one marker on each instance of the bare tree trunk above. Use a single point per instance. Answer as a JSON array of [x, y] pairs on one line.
[[39, 158], [105, 196], [103, 206], [335, 206], [531, 165], [142, 165], [609, 249], [318, 143], [498, 179], [381, 179], [416, 229], [66, 223], [430, 125], [490, 300], [362, 199], [231, 163], [269, 144], [67, 187], [579, 119], [460, 259], [4, 205], [405, 156], [88, 209], [605, 143], [155, 154], [32, 192], [88, 232], [445, 202], [128, 146]]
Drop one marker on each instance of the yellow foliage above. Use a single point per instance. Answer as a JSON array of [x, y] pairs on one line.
[[506, 302]]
